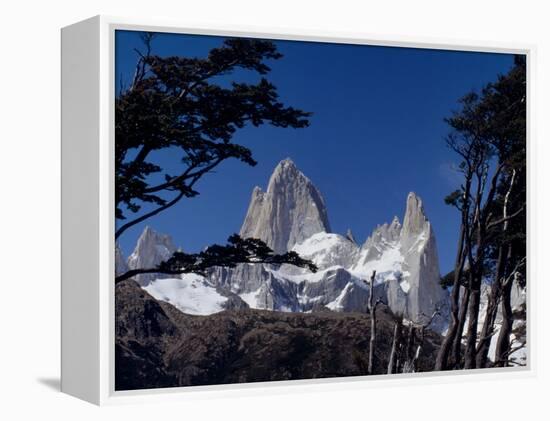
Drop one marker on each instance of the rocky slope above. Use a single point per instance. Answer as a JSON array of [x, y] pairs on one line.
[[159, 346]]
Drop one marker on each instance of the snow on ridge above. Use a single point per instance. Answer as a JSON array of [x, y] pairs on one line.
[[389, 264], [328, 250], [405, 286], [317, 243], [252, 299], [305, 275]]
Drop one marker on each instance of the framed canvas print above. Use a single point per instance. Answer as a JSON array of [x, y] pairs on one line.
[[247, 208]]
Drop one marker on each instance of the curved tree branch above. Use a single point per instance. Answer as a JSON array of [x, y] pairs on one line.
[[154, 212], [507, 218], [186, 175]]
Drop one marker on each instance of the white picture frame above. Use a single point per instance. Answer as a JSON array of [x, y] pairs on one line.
[[88, 88]]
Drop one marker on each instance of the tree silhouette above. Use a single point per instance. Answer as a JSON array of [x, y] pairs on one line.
[[488, 135], [192, 107]]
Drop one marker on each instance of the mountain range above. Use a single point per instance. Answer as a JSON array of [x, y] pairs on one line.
[[291, 215]]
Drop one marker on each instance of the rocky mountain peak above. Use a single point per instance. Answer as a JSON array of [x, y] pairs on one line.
[[415, 220], [151, 249], [395, 224], [290, 211], [285, 176], [350, 236], [384, 234]]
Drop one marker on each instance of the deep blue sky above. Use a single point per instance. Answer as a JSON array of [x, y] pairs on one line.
[[376, 134]]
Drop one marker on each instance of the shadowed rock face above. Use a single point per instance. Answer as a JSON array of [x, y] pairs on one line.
[[158, 346], [289, 212]]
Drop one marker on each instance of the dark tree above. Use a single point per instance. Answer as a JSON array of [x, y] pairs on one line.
[[192, 107], [488, 134], [238, 250]]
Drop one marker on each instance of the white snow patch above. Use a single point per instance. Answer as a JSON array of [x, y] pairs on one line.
[[387, 266], [306, 276], [317, 243], [251, 298], [190, 294], [163, 251], [337, 303]]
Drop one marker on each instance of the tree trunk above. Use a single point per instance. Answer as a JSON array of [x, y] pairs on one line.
[[488, 325], [473, 317], [503, 341], [441, 361], [418, 350], [457, 342], [372, 310], [393, 352], [487, 331], [408, 363]]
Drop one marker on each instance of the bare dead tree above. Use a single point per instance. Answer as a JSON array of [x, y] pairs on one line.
[[512, 350], [408, 351], [417, 330], [393, 353], [372, 311]]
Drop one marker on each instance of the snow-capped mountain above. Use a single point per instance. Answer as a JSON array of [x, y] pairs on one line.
[[291, 215], [293, 212], [190, 293], [290, 211], [151, 249]]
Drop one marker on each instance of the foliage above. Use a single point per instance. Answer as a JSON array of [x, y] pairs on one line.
[[193, 108], [188, 105], [238, 250], [488, 135]]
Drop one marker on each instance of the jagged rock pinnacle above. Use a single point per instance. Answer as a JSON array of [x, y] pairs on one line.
[[350, 236], [415, 220], [288, 212], [151, 249]]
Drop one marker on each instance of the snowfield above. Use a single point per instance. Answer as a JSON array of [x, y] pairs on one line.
[[190, 294], [388, 266], [252, 299]]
